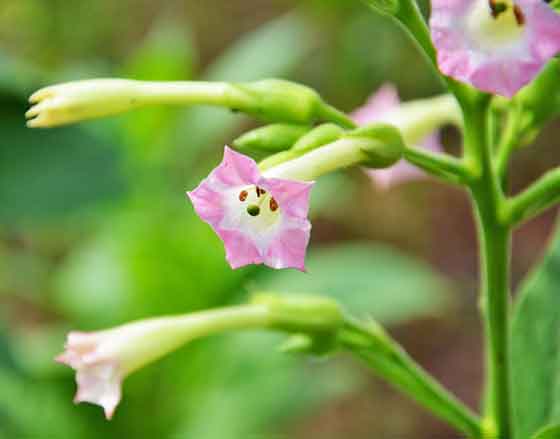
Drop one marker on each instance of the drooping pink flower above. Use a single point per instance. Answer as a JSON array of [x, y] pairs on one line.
[[383, 106], [260, 220], [103, 359], [497, 46]]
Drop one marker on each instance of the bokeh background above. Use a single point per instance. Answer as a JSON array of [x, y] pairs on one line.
[[95, 229]]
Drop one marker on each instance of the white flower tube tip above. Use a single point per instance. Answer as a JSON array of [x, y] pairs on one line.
[[76, 101]]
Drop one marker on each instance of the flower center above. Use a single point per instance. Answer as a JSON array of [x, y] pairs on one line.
[[494, 24], [261, 208]]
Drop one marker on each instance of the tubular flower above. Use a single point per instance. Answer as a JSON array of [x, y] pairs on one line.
[[103, 359], [260, 220], [383, 106], [497, 46]]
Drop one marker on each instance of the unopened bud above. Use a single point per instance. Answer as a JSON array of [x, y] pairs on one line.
[[321, 135], [271, 138]]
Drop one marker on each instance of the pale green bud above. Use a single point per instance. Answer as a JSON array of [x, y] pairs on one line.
[[318, 136], [271, 138]]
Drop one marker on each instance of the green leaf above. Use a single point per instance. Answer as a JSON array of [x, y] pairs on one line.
[[371, 279], [46, 174], [550, 432], [536, 349]]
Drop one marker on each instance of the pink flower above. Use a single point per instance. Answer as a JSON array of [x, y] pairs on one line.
[[260, 220], [383, 106], [498, 46]]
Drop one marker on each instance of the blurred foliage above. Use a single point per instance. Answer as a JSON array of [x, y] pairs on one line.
[[95, 229], [535, 348]]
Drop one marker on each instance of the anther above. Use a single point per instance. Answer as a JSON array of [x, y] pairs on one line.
[[519, 16], [260, 191], [273, 205], [253, 210], [243, 195]]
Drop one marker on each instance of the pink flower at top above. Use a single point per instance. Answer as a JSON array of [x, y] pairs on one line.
[[260, 220], [497, 46], [383, 106]]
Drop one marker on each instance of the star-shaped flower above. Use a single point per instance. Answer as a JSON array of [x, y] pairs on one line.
[[260, 220]]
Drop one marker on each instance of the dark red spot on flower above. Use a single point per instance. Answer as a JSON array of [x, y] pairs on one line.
[[273, 205], [243, 195], [260, 191], [519, 16]]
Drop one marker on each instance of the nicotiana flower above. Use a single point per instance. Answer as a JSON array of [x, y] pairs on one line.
[[383, 106], [498, 46], [260, 220], [103, 359]]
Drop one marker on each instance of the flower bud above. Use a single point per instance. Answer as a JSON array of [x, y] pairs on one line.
[[321, 135], [271, 138]]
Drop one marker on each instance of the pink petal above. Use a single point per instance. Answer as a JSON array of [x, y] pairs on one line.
[[99, 384], [502, 69]]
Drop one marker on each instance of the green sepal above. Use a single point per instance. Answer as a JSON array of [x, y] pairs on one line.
[[271, 138], [319, 136], [302, 313], [384, 146], [280, 101]]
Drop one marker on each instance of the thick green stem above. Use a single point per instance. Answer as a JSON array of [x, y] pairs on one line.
[[394, 365], [494, 241]]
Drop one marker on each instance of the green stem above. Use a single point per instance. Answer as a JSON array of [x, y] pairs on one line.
[[440, 165], [494, 242], [394, 365], [541, 195]]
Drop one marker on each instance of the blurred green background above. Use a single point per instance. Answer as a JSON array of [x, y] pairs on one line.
[[95, 229]]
